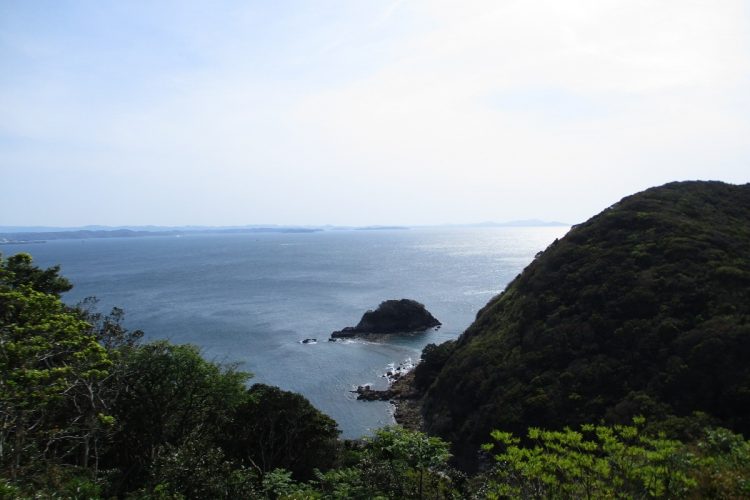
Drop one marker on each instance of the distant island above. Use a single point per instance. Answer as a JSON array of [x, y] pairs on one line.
[[521, 223], [381, 228], [85, 234]]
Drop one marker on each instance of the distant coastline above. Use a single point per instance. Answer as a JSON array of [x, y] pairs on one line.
[[85, 234], [14, 235], [5, 241]]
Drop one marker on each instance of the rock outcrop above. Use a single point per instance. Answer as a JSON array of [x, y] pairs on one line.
[[392, 316], [404, 397], [367, 393]]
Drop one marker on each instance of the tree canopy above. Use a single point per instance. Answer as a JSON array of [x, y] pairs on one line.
[[18, 271], [48, 361]]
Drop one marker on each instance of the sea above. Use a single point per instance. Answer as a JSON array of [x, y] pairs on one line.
[[251, 299]]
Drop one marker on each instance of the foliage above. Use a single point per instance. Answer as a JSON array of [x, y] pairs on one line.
[[395, 463], [723, 465], [643, 309], [196, 469], [278, 484], [595, 462], [19, 271], [601, 461], [108, 328], [167, 394], [434, 357], [50, 366], [402, 463], [343, 483], [275, 429], [54, 481]]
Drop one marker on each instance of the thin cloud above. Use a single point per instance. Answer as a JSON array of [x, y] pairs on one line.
[[415, 112]]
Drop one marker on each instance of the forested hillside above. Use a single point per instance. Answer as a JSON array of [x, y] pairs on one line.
[[642, 310]]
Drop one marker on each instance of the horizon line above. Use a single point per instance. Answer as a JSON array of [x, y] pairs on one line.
[[191, 227]]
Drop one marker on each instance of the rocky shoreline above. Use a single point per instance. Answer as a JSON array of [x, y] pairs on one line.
[[403, 396]]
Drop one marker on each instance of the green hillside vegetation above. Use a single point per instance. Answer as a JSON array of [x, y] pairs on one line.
[[642, 310]]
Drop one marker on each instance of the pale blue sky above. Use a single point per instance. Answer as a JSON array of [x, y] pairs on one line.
[[366, 112]]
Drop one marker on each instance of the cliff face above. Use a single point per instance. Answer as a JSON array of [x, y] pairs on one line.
[[643, 309], [392, 316]]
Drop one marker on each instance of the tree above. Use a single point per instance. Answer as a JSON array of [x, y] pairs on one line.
[[198, 469], [168, 393], [595, 462], [722, 466], [47, 359], [108, 328], [51, 367], [19, 271], [432, 361], [99, 395], [274, 429], [406, 464]]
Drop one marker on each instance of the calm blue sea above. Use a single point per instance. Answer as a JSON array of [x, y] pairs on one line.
[[250, 298]]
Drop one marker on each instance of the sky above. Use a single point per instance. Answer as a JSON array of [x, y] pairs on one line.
[[363, 112]]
